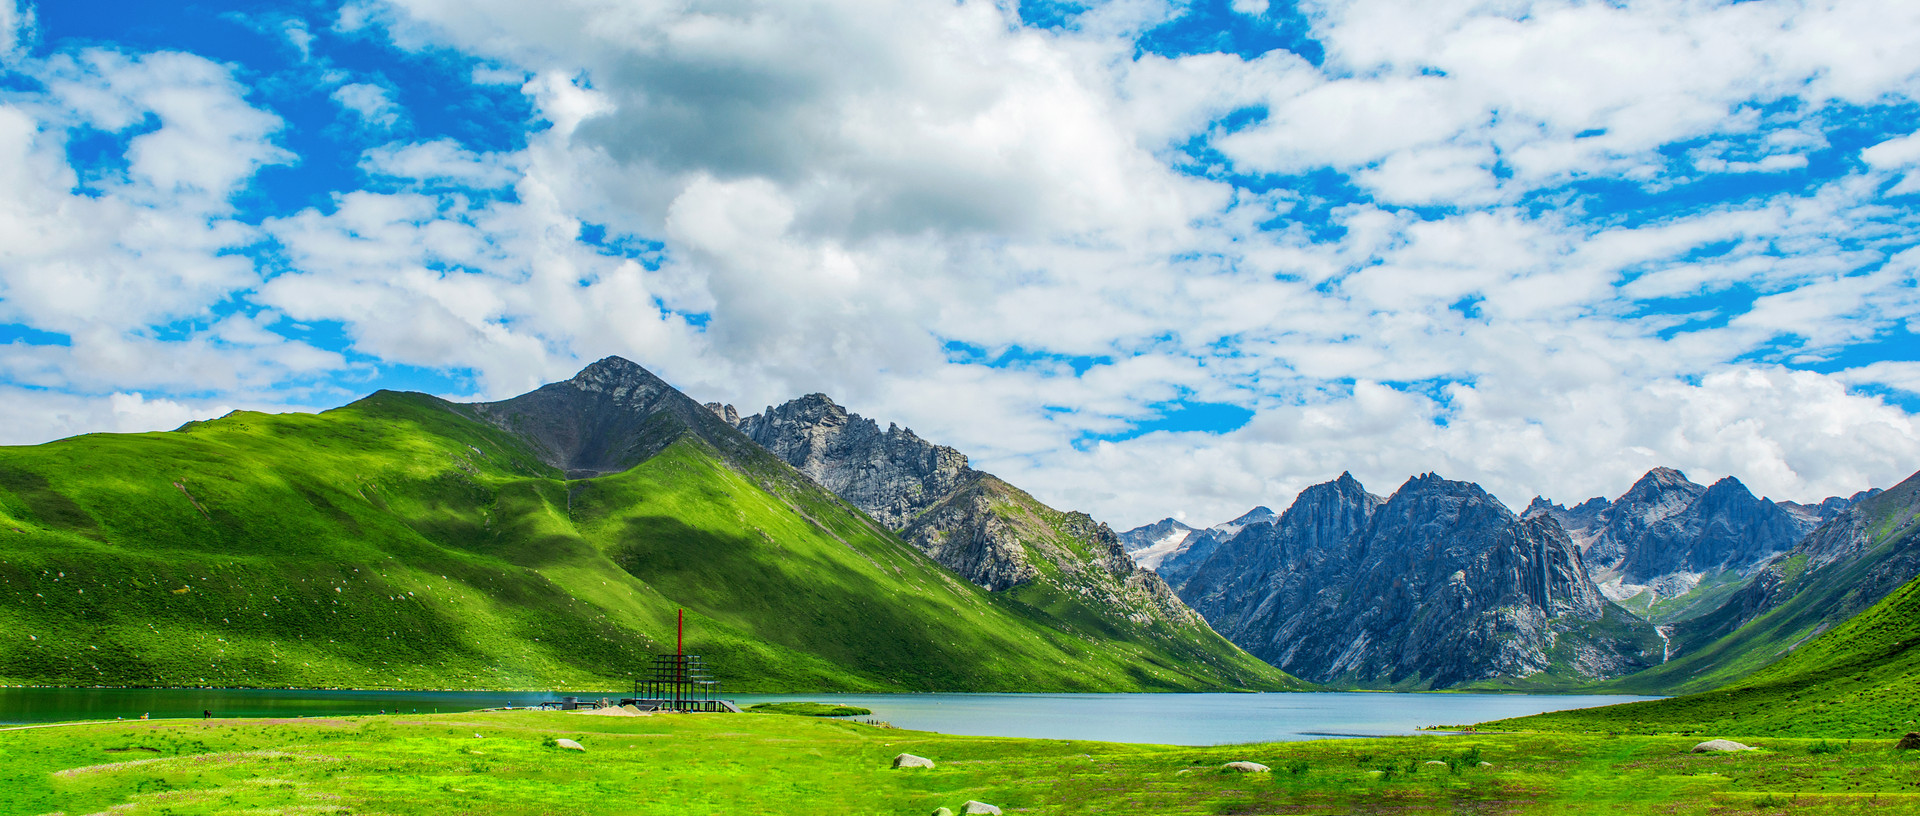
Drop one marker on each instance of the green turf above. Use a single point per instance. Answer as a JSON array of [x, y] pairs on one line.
[[508, 763], [395, 543], [810, 709]]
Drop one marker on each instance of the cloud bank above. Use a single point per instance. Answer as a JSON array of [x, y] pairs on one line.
[[1541, 245]]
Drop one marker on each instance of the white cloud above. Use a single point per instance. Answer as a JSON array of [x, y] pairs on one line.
[[150, 242], [372, 104], [29, 416], [442, 161], [16, 27]]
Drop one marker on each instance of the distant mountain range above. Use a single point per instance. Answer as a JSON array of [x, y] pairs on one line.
[[1458, 590], [1435, 586]]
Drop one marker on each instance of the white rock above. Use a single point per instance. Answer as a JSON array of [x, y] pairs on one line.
[[911, 761], [1435, 762], [1719, 745], [972, 808], [940, 811], [569, 744], [1245, 767]]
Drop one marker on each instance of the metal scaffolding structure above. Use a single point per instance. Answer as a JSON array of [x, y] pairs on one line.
[[679, 681]]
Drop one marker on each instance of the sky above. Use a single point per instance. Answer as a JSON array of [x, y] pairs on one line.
[[1141, 258]]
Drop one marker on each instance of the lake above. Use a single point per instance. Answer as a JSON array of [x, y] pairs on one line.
[[1172, 719]]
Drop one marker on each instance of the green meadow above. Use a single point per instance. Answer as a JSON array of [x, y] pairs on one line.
[[507, 762]]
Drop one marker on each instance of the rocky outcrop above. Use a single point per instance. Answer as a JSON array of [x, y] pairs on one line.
[[1667, 533], [1436, 586], [990, 532], [893, 475]]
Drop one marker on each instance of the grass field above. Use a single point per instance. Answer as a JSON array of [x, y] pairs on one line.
[[504, 762]]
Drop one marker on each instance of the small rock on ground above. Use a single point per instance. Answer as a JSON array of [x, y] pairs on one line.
[[1486, 764], [1910, 742], [911, 761], [940, 811], [569, 744], [1245, 767], [1435, 762], [972, 808], [1719, 745]]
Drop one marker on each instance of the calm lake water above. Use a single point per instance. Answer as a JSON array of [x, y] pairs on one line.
[[1174, 719]]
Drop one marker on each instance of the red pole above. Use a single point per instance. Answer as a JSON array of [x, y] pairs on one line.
[[680, 654]]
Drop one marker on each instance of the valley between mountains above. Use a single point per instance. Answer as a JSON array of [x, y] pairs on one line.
[[545, 541]]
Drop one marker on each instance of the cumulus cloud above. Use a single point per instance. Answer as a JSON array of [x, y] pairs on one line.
[[372, 104], [143, 242]]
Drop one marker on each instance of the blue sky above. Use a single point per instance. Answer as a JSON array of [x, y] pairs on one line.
[[1142, 258]]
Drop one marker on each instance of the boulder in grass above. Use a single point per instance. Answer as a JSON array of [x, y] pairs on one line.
[[911, 761], [1245, 767], [1711, 746], [941, 811], [972, 808], [568, 744], [1910, 742]]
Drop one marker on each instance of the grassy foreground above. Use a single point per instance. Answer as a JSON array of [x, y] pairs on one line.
[[502, 762]]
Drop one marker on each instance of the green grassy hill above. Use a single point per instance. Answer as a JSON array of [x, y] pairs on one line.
[[1861, 678], [399, 542]]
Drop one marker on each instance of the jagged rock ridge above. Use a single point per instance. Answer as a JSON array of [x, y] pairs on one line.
[[1436, 586], [1667, 534], [894, 475], [988, 531]]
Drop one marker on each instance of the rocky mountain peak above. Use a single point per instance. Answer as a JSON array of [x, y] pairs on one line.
[[616, 376], [607, 418], [893, 475], [1260, 514]]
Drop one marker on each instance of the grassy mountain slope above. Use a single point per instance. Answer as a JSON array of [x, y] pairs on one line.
[[1861, 678], [396, 542]]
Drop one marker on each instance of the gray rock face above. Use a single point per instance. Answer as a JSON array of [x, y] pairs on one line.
[[1724, 527], [1246, 767], [973, 808], [1667, 532], [911, 761], [1716, 745], [1436, 586], [893, 475], [992, 533]]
